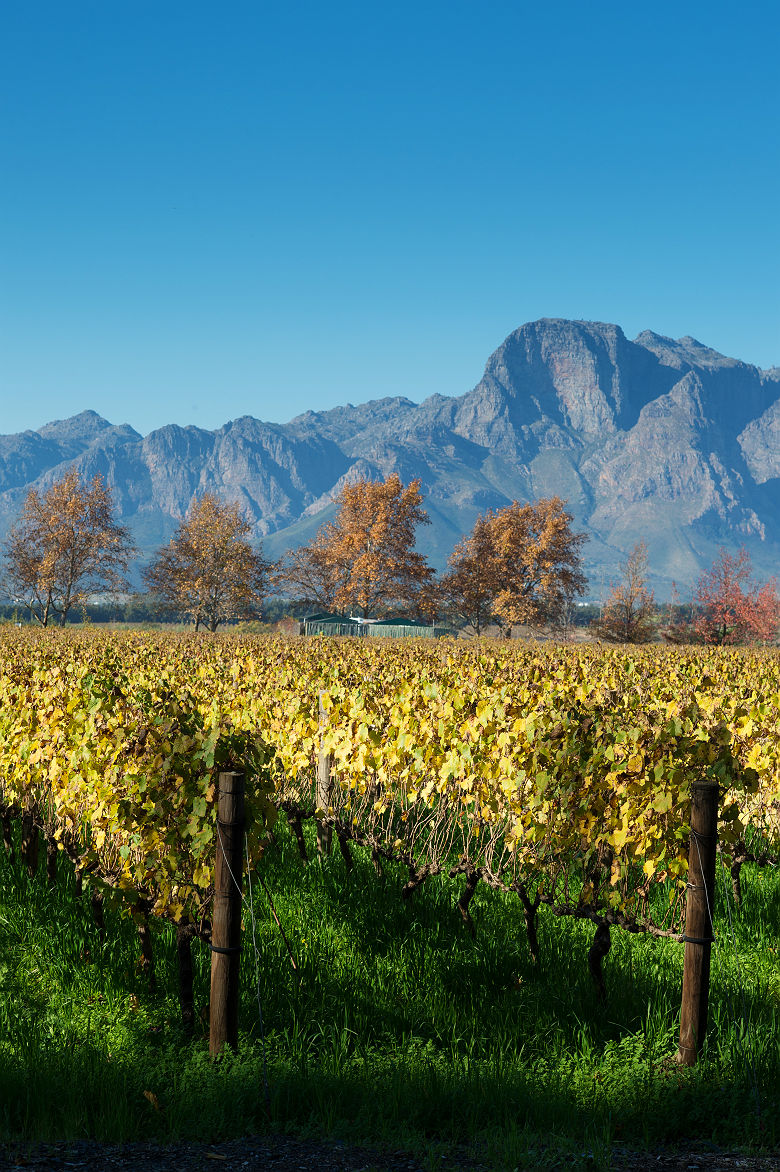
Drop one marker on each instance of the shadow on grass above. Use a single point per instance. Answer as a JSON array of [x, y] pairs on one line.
[[414, 1097], [396, 1026]]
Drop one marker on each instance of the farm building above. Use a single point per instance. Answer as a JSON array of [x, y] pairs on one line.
[[393, 628]]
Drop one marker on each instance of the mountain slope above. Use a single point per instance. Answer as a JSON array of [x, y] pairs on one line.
[[660, 439]]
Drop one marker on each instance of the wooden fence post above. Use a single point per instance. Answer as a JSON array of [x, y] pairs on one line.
[[226, 921], [324, 833], [699, 909]]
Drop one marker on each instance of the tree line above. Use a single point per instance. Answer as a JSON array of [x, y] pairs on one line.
[[520, 565]]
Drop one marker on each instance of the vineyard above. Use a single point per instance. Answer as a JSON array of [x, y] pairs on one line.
[[551, 783]]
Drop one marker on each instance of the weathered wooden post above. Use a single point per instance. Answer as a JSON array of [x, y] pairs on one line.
[[324, 832], [226, 921], [699, 909]]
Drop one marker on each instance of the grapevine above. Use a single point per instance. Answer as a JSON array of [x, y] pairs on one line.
[[560, 774]]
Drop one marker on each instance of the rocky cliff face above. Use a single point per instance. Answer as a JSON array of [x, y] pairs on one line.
[[657, 439]]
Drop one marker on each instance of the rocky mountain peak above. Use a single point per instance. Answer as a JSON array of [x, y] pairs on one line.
[[655, 438]]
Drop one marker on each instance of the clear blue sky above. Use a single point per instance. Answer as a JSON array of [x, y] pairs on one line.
[[209, 210]]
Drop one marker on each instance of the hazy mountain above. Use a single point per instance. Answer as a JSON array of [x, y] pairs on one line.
[[655, 438]]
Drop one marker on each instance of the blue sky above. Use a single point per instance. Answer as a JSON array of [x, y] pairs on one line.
[[215, 210]]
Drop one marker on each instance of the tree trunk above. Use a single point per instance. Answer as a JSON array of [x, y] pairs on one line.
[[530, 930], [96, 900], [343, 841], [598, 950], [472, 879], [530, 909], [184, 954], [736, 881], [147, 951], [30, 842], [417, 876], [66, 605], [52, 850], [296, 822], [8, 840]]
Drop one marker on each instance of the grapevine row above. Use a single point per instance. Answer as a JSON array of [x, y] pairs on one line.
[[562, 775]]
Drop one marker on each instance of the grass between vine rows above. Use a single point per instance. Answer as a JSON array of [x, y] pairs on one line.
[[397, 1028]]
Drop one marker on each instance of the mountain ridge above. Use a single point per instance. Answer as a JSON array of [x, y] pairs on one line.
[[654, 438]]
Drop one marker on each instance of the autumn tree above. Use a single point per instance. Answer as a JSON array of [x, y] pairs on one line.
[[310, 574], [65, 547], [627, 615], [208, 570], [537, 560], [521, 564], [429, 602], [365, 559], [471, 584], [729, 607]]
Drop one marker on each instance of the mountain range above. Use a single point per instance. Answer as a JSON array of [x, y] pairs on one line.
[[653, 438]]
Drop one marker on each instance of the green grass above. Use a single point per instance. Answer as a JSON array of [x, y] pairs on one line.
[[397, 1028]]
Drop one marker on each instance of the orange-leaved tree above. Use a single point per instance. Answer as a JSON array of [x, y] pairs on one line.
[[732, 608], [208, 570], [627, 616], [365, 559], [65, 547], [310, 574], [520, 564], [471, 584], [538, 560]]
